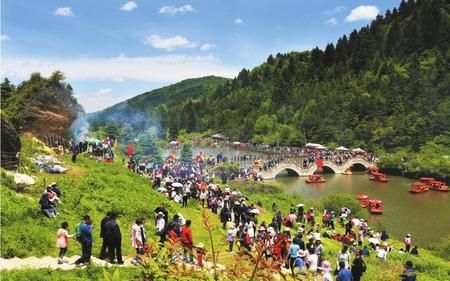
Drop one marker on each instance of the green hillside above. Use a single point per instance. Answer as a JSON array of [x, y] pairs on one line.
[[143, 110], [382, 87]]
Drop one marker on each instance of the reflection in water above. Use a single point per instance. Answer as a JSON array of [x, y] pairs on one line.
[[426, 216]]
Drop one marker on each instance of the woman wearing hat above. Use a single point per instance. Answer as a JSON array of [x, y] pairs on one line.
[[408, 242]]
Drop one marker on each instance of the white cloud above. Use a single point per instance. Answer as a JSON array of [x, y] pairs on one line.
[[363, 13], [64, 12], [206, 47], [129, 6], [4, 38], [335, 10], [104, 91], [331, 21], [169, 44], [238, 21], [173, 10], [162, 69]]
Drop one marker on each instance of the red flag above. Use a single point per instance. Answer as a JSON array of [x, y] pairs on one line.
[[130, 150], [319, 163]]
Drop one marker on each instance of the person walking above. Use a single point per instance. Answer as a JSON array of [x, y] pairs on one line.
[[138, 237], [85, 230], [102, 235], [358, 266], [161, 227], [114, 239], [62, 241], [187, 242]]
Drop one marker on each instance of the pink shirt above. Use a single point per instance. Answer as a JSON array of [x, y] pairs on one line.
[[62, 238]]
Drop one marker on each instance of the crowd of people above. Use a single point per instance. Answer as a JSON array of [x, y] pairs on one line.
[[294, 239]]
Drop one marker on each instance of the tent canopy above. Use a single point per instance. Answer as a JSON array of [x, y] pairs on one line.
[[321, 147], [358, 150], [342, 148], [218, 136], [313, 145]]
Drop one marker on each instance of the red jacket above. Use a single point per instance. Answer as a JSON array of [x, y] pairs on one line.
[[186, 236]]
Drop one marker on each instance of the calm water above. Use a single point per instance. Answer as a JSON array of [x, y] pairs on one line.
[[425, 216]]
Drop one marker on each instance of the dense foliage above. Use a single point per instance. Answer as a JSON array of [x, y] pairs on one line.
[[384, 86]]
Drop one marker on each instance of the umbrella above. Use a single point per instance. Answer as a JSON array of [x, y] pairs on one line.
[[356, 222], [300, 205], [255, 211], [162, 189], [346, 210], [342, 148], [177, 184], [236, 143], [91, 140], [358, 150], [292, 217], [374, 241]]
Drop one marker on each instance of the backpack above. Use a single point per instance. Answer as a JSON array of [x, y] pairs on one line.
[[78, 232]]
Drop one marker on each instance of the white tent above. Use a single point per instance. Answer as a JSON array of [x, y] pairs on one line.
[[358, 150], [321, 147], [342, 148], [312, 145]]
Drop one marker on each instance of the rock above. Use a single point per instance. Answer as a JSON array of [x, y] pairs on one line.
[[10, 145], [50, 114]]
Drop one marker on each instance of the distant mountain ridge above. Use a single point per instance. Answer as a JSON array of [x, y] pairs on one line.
[[144, 110]]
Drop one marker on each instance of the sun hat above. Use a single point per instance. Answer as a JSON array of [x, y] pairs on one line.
[[53, 183], [161, 213], [408, 235], [302, 253], [200, 245]]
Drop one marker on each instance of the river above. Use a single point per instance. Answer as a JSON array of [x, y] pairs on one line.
[[425, 216]]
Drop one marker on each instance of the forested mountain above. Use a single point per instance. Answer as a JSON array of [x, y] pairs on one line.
[[384, 86], [145, 110]]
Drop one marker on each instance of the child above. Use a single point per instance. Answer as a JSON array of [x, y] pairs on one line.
[[62, 241], [201, 252]]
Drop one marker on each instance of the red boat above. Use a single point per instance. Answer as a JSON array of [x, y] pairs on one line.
[[315, 179], [418, 187], [372, 170], [375, 207], [439, 186], [363, 199], [376, 176], [427, 181]]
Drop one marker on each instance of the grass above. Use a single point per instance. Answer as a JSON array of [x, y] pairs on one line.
[[94, 188]]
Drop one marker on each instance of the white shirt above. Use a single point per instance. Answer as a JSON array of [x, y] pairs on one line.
[[312, 261], [160, 224]]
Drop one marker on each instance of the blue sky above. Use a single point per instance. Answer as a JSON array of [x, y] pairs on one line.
[[111, 50]]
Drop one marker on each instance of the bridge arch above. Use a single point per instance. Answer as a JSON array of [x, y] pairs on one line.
[[291, 172]]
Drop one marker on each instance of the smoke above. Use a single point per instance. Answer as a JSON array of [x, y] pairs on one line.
[[80, 127]]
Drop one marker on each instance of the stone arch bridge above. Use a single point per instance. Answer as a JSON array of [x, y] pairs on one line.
[[295, 169]]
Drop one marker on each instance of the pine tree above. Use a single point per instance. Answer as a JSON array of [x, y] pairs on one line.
[[186, 154]]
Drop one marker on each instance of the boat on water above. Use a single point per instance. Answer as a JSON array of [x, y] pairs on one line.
[[315, 179], [439, 186], [380, 177], [372, 170], [418, 187], [426, 181], [363, 200], [375, 206], [347, 172]]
